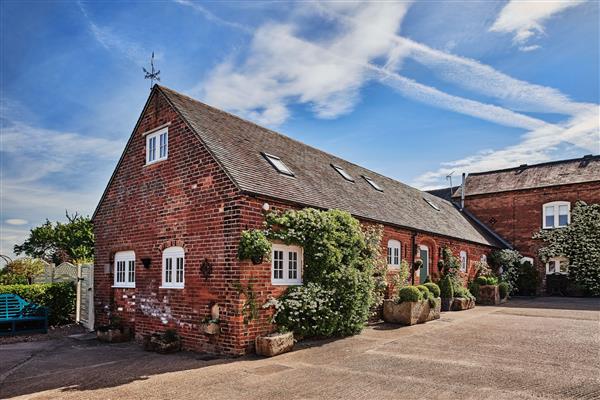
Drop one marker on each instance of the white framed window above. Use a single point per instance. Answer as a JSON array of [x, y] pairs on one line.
[[557, 265], [173, 268], [157, 146], [278, 164], [394, 253], [463, 261], [556, 214], [343, 173], [124, 269], [373, 184], [286, 265]]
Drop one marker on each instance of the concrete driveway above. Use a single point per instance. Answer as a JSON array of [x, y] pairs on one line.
[[543, 348]]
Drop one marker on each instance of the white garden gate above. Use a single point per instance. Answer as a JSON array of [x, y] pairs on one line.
[[85, 295]]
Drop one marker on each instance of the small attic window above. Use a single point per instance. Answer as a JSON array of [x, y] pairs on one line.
[[432, 204], [343, 173], [278, 164], [373, 183]]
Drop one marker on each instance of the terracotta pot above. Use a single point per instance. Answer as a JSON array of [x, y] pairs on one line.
[[274, 344]]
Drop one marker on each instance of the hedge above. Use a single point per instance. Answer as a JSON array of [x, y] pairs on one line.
[[59, 297]]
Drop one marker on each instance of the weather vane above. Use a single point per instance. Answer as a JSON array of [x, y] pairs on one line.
[[152, 75]]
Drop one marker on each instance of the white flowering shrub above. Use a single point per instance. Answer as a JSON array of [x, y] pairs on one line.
[[307, 310], [579, 242]]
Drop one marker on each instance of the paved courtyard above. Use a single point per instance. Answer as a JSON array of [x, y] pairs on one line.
[[543, 348]]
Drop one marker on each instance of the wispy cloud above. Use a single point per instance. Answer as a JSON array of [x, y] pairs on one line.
[[210, 16], [525, 19], [131, 50]]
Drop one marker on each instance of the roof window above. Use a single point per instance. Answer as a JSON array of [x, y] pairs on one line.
[[278, 164], [343, 173], [373, 184], [432, 204]]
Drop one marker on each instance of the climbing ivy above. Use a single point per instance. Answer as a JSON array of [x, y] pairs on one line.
[[579, 242], [340, 260]]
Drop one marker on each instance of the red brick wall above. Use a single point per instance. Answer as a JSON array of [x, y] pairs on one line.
[[517, 215], [188, 201]]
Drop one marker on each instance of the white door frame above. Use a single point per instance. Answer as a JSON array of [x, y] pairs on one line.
[[426, 248]]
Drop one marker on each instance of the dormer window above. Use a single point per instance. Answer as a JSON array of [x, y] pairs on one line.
[[157, 146], [278, 164], [343, 173], [556, 214], [373, 183]]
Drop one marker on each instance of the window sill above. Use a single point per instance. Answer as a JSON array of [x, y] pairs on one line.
[[171, 287], [123, 286], [156, 161], [390, 266], [280, 283]]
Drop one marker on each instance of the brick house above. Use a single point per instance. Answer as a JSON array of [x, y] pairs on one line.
[[517, 202], [192, 178]]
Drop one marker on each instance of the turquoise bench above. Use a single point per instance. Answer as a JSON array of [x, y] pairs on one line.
[[19, 316]]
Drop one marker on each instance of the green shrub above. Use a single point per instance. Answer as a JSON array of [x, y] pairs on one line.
[[424, 291], [254, 246], [410, 293], [340, 257], [464, 293], [433, 289], [503, 288], [527, 279], [446, 288], [474, 288], [487, 280], [58, 297]]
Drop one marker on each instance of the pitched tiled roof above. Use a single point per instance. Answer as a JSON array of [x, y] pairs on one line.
[[565, 172], [238, 145], [444, 193]]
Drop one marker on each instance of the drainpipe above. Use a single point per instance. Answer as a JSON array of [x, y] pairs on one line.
[[414, 251], [462, 193]]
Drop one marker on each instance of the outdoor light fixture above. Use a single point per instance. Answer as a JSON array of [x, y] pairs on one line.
[[266, 207], [146, 262]]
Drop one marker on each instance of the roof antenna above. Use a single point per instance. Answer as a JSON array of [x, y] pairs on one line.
[[449, 178], [153, 75]]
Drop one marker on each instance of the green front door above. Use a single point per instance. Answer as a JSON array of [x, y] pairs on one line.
[[424, 271]]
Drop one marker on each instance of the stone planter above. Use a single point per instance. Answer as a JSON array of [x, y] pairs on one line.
[[274, 344], [435, 311], [460, 304], [447, 303], [211, 328], [113, 335], [406, 313], [489, 295], [158, 344]]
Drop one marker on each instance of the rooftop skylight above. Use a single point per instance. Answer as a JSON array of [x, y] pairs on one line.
[[373, 184], [343, 172], [278, 164], [432, 204]]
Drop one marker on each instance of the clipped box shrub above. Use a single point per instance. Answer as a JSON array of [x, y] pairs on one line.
[[58, 297], [409, 294], [503, 288], [433, 289]]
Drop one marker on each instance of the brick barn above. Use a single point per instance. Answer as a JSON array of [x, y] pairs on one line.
[[192, 178], [517, 202]]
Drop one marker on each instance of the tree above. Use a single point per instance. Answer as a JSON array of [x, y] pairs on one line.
[[26, 268], [579, 242], [59, 242]]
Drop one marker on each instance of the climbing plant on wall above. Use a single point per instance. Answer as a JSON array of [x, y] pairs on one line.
[[340, 260], [579, 242]]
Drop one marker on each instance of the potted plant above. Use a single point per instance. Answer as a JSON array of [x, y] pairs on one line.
[[405, 308], [503, 289], [254, 246], [487, 288], [210, 326], [463, 299], [163, 343], [114, 332], [274, 343], [434, 301]]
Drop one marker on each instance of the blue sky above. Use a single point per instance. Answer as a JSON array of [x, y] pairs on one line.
[[413, 90]]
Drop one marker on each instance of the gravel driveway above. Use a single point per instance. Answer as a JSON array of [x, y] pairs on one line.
[[526, 349]]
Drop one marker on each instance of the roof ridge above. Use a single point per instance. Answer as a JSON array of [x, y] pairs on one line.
[[527, 166], [286, 136]]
